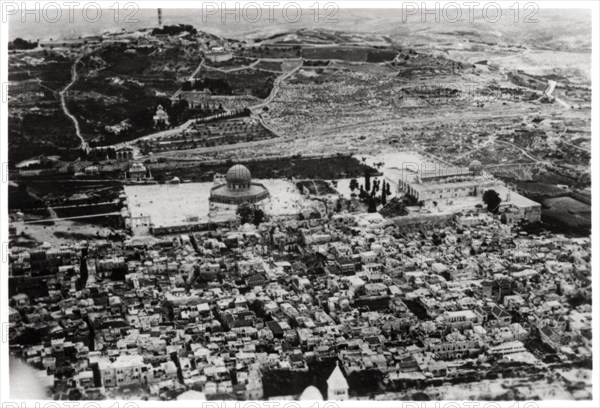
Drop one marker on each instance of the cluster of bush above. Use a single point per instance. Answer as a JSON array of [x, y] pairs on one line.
[[175, 30], [21, 44]]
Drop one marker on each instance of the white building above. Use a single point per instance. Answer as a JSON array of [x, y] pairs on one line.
[[455, 189], [161, 117], [337, 386]]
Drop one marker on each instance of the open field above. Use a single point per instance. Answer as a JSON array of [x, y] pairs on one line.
[[235, 62], [250, 81], [282, 51], [169, 204], [355, 54], [317, 187], [537, 189], [46, 132], [347, 54], [62, 191], [269, 65], [20, 199], [50, 69], [64, 232], [568, 213]]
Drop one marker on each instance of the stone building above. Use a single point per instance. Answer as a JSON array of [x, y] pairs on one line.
[[337, 386], [239, 188], [161, 117], [455, 189]]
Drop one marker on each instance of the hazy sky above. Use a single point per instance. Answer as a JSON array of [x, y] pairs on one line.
[[563, 23]]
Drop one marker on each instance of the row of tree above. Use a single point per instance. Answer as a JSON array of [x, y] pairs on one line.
[[250, 214], [177, 29], [369, 192], [21, 44]]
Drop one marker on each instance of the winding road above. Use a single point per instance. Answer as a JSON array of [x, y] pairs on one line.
[[525, 152], [63, 103], [187, 124], [276, 86]]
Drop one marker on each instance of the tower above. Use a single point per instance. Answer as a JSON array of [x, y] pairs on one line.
[[160, 23], [337, 386]]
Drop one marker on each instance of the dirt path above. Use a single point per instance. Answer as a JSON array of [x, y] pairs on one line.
[[63, 103], [525, 152], [227, 71], [276, 86], [48, 207], [198, 68], [183, 126]]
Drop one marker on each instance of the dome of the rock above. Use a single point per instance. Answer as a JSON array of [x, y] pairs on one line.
[[238, 176], [239, 188]]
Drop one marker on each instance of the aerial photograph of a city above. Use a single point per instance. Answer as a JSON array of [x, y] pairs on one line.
[[299, 204]]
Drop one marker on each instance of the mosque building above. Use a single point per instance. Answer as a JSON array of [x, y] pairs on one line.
[[239, 188], [442, 182], [462, 188]]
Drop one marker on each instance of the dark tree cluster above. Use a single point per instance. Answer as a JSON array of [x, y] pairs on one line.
[[368, 192], [492, 199], [100, 153], [216, 86], [250, 215], [21, 44], [175, 30]]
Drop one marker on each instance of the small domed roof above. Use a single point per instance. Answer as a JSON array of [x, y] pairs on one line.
[[475, 166], [136, 166], [238, 174], [311, 393]]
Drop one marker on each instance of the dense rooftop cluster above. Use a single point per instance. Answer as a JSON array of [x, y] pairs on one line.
[[253, 313]]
